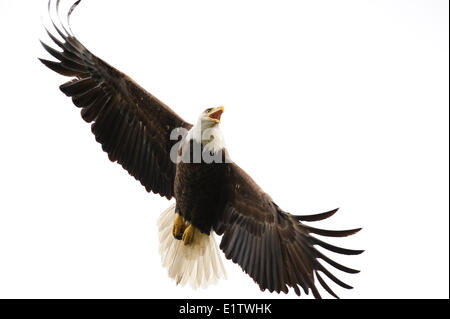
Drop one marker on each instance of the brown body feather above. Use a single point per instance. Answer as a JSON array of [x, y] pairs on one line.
[[200, 190]]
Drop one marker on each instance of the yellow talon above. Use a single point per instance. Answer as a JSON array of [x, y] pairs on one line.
[[188, 235], [178, 227]]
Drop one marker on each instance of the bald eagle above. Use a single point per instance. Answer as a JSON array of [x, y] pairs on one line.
[[213, 194]]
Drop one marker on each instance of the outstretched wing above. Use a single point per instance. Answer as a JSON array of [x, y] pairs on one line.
[[131, 124], [274, 247]]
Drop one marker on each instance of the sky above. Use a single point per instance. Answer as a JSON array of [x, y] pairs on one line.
[[327, 104]]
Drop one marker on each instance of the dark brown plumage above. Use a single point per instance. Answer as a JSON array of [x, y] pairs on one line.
[[273, 247], [132, 125], [200, 191]]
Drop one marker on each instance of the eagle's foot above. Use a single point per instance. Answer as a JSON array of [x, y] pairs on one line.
[[178, 227], [188, 235]]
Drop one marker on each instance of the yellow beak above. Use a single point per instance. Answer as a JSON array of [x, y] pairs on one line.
[[216, 113]]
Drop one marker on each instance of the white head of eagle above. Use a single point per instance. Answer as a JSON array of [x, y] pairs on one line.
[[207, 132]]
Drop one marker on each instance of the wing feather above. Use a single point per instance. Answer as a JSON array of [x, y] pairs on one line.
[[132, 126], [274, 247]]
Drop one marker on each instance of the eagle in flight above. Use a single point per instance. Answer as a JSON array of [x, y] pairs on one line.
[[213, 194]]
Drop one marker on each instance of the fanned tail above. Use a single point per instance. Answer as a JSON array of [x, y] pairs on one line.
[[198, 264]]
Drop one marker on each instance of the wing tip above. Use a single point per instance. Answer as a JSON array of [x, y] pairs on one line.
[[316, 217]]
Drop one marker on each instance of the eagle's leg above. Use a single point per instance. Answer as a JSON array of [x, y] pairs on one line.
[[188, 235], [178, 227]]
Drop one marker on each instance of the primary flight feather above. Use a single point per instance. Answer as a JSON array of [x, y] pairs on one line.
[[213, 194]]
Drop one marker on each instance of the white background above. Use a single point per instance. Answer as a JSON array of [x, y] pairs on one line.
[[328, 104]]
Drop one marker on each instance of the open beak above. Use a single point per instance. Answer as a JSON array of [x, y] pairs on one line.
[[216, 113]]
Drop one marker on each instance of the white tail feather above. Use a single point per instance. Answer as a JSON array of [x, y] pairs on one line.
[[198, 264]]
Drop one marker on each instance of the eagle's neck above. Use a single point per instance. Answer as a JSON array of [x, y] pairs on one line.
[[209, 135]]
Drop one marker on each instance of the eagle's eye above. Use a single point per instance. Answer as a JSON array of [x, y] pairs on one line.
[[208, 110]]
